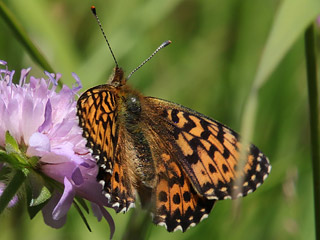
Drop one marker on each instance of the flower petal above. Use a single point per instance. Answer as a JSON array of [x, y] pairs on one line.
[[65, 201], [78, 82], [47, 117], [23, 75], [77, 176], [96, 211], [38, 144], [48, 209], [109, 219]]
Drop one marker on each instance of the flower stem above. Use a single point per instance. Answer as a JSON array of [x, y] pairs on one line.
[[138, 226], [314, 120], [12, 188]]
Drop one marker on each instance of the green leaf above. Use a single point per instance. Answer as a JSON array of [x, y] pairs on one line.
[[12, 189], [4, 157], [37, 194], [36, 204], [43, 196], [33, 211], [11, 144], [292, 19], [16, 161], [4, 172], [33, 161]]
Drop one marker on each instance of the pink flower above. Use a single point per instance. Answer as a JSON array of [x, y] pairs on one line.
[[44, 123]]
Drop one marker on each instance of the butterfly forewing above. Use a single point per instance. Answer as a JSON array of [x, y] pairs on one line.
[[209, 152], [98, 114]]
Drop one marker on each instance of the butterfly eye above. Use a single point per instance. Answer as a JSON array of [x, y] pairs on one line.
[[133, 105]]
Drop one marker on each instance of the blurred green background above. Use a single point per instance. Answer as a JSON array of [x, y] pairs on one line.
[[210, 68]]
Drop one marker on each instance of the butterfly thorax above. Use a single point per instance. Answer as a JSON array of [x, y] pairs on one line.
[[130, 114]]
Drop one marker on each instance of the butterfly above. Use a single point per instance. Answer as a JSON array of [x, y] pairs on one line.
[[178, 161]]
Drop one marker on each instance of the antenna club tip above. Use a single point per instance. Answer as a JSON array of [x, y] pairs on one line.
[[166, 43], [93, 10]]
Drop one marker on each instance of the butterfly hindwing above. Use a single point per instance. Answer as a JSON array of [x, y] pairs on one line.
[[209, 152], [178, 206], [175, 203]]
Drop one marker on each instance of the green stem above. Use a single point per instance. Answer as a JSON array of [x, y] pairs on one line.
[[12, 189], [314, 120], [18, 223], [23, 37], [138, 226]]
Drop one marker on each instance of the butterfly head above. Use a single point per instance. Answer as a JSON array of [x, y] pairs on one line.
[[118, 79]]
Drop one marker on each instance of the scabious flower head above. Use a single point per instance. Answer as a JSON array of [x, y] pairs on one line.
[[44, 124]]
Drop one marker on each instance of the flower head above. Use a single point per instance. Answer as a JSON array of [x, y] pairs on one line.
[[43, 122]]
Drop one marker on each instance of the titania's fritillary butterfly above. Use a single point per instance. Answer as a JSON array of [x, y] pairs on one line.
[[177, 160]]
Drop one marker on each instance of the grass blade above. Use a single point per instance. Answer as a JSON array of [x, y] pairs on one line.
[[314, 120], [23, 37]]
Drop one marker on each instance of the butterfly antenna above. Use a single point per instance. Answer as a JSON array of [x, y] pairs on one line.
[[164, 44], [93, 10]]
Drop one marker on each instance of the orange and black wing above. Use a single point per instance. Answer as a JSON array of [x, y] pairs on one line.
[[97, 110], [208, 152], [175, 203]]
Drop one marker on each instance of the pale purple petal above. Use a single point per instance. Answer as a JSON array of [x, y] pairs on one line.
[[31, 119], [65, 201], [10, 119], [23, 75], [10, 77], [63, 128], [58, 76], [47, 117], [3, 62], [38, 143], [78, 82], [2, 124], [48, 209], [57, 170], [51, 77]]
